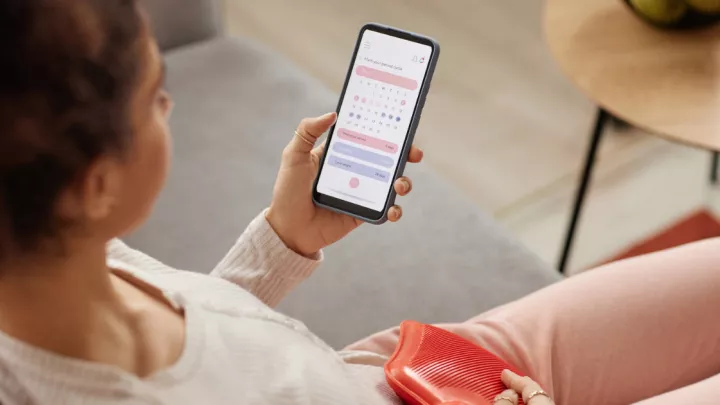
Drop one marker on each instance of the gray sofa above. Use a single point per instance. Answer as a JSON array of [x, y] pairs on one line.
[[237, 107]]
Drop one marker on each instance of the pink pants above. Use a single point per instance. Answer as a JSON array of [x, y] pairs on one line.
[[644, 330]]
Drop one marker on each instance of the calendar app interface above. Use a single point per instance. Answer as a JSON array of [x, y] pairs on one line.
[[374, 119]]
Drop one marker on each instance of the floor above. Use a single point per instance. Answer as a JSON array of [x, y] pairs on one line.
[[501, 122]]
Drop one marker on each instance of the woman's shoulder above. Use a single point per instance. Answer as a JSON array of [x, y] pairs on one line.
[[194, 286], [117, 250], [218, 298]]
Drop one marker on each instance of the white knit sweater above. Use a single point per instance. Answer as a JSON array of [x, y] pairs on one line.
[[237, 351]]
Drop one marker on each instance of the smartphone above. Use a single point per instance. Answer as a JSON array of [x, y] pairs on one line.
[[378, 113]]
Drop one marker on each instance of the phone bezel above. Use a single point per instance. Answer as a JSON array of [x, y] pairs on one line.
[[355, 210]]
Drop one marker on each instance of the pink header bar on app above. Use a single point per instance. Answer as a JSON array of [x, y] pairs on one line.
[[387, 77]]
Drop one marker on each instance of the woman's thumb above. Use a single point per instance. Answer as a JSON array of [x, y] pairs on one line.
[[309, 130]]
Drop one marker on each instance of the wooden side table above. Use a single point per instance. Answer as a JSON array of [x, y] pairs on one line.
[[665, 82]]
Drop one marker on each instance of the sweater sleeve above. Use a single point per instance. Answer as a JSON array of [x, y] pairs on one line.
[[262, 264]]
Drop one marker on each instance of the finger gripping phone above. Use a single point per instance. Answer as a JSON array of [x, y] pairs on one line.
[[378, 113]]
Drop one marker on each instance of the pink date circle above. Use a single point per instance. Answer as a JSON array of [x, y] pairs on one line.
[[354, 182]]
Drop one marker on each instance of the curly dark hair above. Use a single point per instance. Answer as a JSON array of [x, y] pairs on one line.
[[68, 71]]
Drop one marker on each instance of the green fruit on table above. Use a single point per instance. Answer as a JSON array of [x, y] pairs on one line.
[[661, 11], [705, 6]]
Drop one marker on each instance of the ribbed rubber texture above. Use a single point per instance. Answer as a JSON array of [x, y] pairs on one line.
[[432, 366]]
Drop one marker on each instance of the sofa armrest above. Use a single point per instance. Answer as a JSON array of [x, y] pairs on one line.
[[180, 22]]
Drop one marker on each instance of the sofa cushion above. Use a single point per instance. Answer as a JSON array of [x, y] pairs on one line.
[[237, 107], [180, 22]]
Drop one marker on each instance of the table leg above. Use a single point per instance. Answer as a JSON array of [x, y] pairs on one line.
[[714, 167], [619, 124], [598, 129]]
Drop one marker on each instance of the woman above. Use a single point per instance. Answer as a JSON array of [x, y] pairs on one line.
[[85, 319]]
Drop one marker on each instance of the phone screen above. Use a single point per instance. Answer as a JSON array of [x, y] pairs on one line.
[[375, 115]]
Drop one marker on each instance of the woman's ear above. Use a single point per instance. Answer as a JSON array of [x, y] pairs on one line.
[[94, 195], [101, 189]]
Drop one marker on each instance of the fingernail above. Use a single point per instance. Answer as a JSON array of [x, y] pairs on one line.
[[327, 116], [405, 186]]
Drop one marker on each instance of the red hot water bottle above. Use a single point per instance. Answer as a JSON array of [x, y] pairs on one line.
[[432, 366]]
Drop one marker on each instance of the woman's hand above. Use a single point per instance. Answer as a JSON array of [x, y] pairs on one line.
[[530, 391], [301, 225]]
